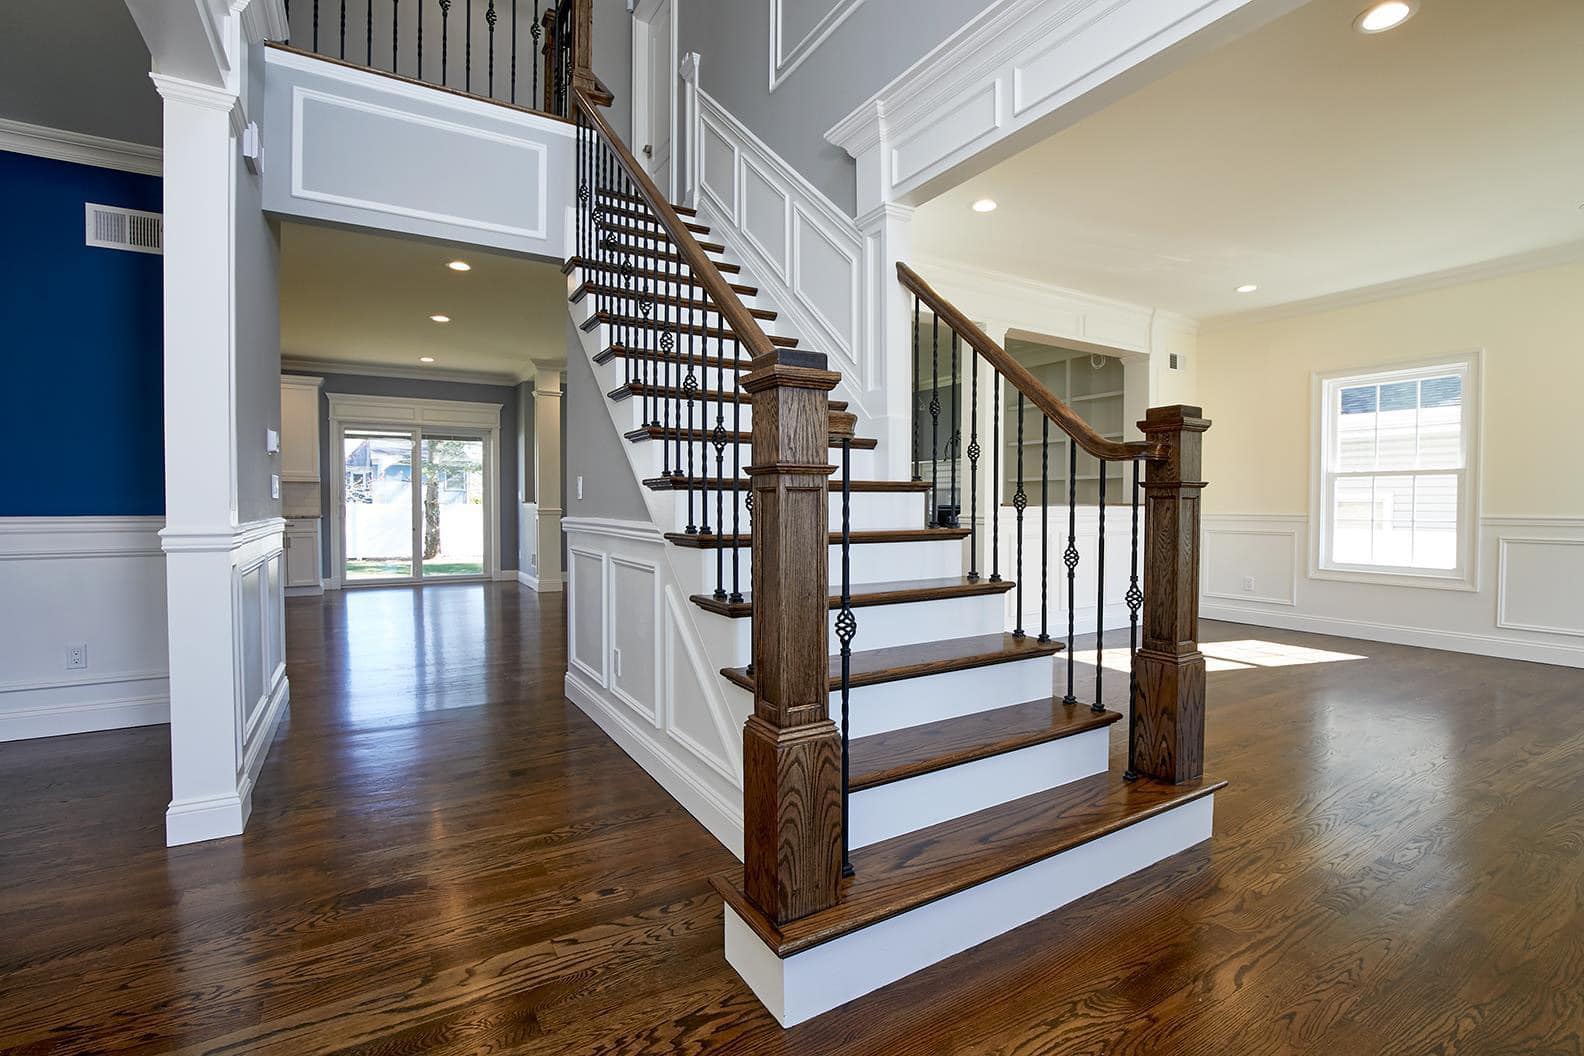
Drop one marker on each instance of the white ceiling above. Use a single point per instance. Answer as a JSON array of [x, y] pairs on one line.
[[1305, 157], [364, 299]]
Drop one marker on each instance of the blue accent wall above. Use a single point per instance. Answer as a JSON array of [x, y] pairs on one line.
[[81, 340]]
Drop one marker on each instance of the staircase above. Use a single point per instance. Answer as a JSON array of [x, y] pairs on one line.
[[915, 782]]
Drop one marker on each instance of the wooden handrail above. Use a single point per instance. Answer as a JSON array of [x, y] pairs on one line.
[[731, 309], [1024, 381]]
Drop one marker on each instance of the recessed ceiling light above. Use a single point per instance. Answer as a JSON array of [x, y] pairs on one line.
[[1247, 287], [426, 359], [460, 265], [984, 205], [441, 318], [1378, 18]]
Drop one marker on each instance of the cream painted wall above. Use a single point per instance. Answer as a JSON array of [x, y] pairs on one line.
[[1255, 383]]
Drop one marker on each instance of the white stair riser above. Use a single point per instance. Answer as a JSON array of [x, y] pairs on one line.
[[929, 698], [879, 626], [872, 563], [829, 975], [929, 799], [871, 510], [655, 458]]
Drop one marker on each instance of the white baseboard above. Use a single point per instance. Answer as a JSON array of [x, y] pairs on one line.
[[305, 592], [719, 817], [213, 818], [1427, 638], [84, 717], [534, 583]]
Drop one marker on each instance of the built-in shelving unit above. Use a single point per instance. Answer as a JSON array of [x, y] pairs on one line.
[[1093, 386]]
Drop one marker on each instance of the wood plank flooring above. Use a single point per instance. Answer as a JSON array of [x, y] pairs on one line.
[[446, 857]]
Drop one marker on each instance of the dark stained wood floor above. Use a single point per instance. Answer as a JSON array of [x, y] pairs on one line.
[[446, 857]]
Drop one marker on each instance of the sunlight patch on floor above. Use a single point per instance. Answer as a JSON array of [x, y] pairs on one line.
[[1231, 656]]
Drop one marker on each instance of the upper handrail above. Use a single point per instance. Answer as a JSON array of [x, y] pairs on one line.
[[704, 271], [1024, 381]]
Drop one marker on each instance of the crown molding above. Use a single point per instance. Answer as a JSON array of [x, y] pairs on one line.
[[298, 365], [58, 144], [194, 93], [265, 20]]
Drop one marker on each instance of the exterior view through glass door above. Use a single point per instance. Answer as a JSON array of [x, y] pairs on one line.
[[398, 527]]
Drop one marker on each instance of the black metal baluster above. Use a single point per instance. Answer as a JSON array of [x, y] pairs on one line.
[[368, 28], [720, 469], [736, 591], [954, 443], [1135, 599], [395, 32], [1044, 634], [445, 38], [995, 470], [489, 20], [514, 50], [674, 311], [1070, 558], [420, 39], [316, 25], [934, 409], [973, 477], [846, 629], [1100, 594], [913, 393], [343, 29], [467, 55], [536, 89], [670, 407], [1019, 503], [690, 391]]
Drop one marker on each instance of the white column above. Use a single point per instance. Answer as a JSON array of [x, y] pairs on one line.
[[547, 479], [887, 230]]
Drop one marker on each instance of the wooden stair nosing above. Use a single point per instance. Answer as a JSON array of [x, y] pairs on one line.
[[656, 323], [872, 594], [743, 483], [593, 265], [663, 432], [903, 873], [680, 210], [720, 265], [689, 303], [617, 349], [895, 663], [897, 755], [672, 392], [645, 216], [713, 541], [658, 237]]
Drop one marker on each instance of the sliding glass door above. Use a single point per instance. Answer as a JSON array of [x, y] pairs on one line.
[[398, 525]]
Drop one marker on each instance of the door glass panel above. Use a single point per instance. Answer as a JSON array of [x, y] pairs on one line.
[[379, 511], [453, 506]]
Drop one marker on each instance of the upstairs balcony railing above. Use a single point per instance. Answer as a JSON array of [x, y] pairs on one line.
[[524, 53]]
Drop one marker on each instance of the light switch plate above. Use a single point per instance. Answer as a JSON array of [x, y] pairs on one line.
[[272, 441], [274, 485]]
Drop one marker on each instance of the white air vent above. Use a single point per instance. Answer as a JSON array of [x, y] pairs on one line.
[[111, 227]]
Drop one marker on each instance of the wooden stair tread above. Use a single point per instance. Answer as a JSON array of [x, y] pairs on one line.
[[898, 754], [646, 216], [644, 251], [655, 323], [680, 210], [594, 265], [659, 237], [692, 304], [694, 483], [900, 592], [893, 664], [616, 349], [712, 541], [661, 432], [913, 870], [672, 392]]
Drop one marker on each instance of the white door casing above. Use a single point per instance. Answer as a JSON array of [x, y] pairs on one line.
[[654, 89]]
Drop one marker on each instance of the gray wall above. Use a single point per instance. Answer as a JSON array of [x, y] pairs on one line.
[[613, 59], [878, 41], [257, 245], [412, 388], [593, 449]]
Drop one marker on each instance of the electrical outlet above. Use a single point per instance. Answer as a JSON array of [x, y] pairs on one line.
[[616, 661], [580, 489], [76, 656], [1248, 584], [274, 485]]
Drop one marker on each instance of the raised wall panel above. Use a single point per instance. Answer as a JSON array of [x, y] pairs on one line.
[[1269, 555], [1538, 585], [825, 277], [691, 716], [719, 176], [764, 216], [586, 620], [634, 612], [977, 115], [798, 28]]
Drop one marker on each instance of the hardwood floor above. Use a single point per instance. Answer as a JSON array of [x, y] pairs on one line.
[[446, 857]]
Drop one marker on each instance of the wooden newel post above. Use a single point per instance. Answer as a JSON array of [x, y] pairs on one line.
[[583, 46], [1168, 736], [792, 811]]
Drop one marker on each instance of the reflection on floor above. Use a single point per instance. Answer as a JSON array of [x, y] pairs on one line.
[[446, 857]]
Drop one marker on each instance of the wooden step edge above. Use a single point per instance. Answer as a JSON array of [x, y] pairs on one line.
[[671, 392], [615, 349], [897, 755], [903, 873], [898, 535], [659, 237], [686, 303], [566, 269], [649, 217], [681, 210], [660, 432], [915, 661], [869, 595], [710, 483], [639, 322], [720, 265]]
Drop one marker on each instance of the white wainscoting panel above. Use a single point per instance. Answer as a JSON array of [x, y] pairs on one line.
[[97, 581], [1527, 606], [586, 613], [634, 607]]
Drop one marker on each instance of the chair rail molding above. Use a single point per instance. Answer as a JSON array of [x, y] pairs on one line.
[[995, 82]]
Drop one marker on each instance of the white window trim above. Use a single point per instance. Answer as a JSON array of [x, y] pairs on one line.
[[1466, 576]]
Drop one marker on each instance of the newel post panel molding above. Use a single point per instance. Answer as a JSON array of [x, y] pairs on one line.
[[1169, 706], [792, 810]]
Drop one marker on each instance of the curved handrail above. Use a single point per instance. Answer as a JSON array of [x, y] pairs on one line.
[[731, 309], [1064, 416]]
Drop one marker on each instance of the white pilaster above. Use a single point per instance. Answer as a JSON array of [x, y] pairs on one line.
[[547, 479], [887, 230]]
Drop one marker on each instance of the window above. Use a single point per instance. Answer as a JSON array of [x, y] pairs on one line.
[[1397, 481]]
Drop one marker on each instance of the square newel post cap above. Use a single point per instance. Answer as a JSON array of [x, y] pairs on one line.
[[789, 368], [1175, 418]]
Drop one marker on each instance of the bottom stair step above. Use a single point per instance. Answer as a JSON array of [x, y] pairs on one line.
[[916, 899]]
